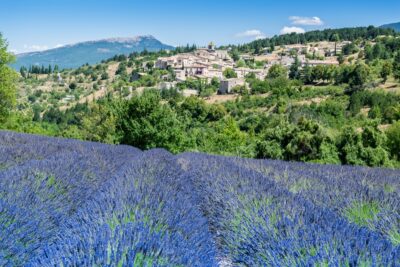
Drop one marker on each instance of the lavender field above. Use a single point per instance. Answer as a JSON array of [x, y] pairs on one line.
[[71, 203]]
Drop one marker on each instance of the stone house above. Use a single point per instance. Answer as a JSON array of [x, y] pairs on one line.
[[227, 85]]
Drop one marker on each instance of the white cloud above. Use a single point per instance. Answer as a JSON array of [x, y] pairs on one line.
[[287, 29], [14, 51], [58, 45], [314, 21], [35, 47], [256, 34]]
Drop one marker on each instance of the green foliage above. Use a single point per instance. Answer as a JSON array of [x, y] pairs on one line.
[[277, 71], [208, 91], [334, 35], [294, 71], [304, 141], [147, 124], [359, 75], [100, 125], [349, 49], [396, 66], [171, 94], [235, 54], [394, 236], [341, 58], [365, 148], [8, 78], [229, 73], [223, 137], [269, 149], [72, 86], [386, 70], [383, 105], [240, 63], [393, 136], [240, 89], [104, 76], [121, 69]]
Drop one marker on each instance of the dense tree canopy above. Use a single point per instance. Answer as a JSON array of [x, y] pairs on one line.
[[7, 81], [147, 124], [344, 34]]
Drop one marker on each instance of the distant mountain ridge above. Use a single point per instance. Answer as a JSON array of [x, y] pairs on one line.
[[394, 26], [92, 52]]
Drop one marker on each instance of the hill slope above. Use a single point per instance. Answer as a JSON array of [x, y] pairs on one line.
[[75, 55], [394, 26], [65, 202]]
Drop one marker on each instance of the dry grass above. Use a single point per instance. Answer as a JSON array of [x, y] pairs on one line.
[[112, 68], [390, 86], [216, 99]]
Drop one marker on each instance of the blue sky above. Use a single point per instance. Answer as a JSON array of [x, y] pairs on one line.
[[42, 24]]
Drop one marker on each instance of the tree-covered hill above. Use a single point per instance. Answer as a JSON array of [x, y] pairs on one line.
[[394, 26], [91, 52], [347, 34]]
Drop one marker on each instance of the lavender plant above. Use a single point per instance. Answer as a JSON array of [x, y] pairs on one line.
[[71, 203]]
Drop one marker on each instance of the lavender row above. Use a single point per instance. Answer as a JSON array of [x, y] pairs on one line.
[[71, 203]]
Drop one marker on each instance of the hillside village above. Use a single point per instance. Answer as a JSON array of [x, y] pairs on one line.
[[187, 71], [172, 70], [208, 63]]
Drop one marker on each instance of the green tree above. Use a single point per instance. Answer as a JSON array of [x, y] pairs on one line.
[[294, 71], [363, 148], [24, 72], [349, 49], [335, 38], [340, 58], [396, 66], [146, 123], [195, 108], [104, 76], [385, 70], [227, 138], [318, 73], [359, 75], [235, 55], [37, 109], [307, 74], [229, 73], [72, 86], [8, 78], [269, 149], [150, 65], [100, 124], [393, 137], [240, 63], [277, 71]]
